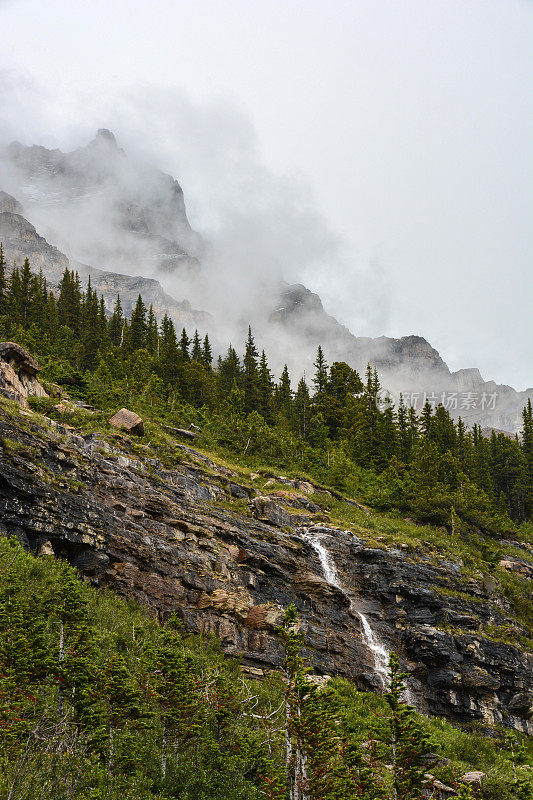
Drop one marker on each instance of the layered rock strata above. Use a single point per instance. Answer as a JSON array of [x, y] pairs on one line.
[[196, 541]]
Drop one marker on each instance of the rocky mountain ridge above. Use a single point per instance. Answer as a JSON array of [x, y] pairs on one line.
[[143, 207], [408, 365], [144, 236], [228, 550]]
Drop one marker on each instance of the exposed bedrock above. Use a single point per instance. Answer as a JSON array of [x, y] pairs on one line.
[[166, 538]]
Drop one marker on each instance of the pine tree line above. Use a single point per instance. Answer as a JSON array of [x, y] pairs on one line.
[[426, 463]]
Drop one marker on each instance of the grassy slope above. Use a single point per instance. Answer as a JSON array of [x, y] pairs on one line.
[[118, 620], [478, 553]]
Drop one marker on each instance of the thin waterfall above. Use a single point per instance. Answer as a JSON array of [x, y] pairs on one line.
[[379, 652]]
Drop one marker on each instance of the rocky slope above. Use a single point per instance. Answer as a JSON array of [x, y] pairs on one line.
[[228, 551]]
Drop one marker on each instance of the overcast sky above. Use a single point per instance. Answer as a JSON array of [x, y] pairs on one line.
[[410, 121]]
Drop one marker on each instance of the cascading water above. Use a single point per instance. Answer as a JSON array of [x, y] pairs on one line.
[[379, 652]]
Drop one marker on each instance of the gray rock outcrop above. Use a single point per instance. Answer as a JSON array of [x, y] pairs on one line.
[[170, 539], [18, 374]]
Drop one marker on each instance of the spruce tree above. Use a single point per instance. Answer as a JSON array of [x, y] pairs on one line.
[[90, 328], [196, 352], [170, 353], [250, 377], [461, 443], [229, 371], [527, 450], [404, 443], [321, 374], [302, 408], [175, 691], [265, 388], [284, 393], [408, 742], [387, 436], [124, 701], [24, 294], [426, 420], [138, 326], [69, 303], [116, 324], [368, 434], [184, 345], [207, 354], [152, 337]]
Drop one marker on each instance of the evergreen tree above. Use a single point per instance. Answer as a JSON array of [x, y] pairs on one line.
[[229, 371], [284, 393], [138, 329], [443, 430], [265, 388], [124, 701], [250, 376], [426, 420], [170, 357], [302, 408], [175, 691], [196, 353], [462, 445], [152, 336], [321, 373], [90, 328], [207, 354], [116, 324], [368, 433], [184, 345], [408, 742], [386, 436], [404, 438], [527, 450], [24, 294], [70, 301]]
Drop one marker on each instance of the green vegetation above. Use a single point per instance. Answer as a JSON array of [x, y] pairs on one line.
[[428, 467], [98, 700]]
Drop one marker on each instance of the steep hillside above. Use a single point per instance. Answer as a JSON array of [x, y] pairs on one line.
[[124, 708], [228, 550]]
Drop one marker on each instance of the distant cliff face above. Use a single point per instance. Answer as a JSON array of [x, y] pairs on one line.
[[113, 212], [409, 365], [20, 241]]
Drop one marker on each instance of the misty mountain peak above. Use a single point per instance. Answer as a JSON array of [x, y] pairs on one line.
[[104, 134], [104, 145]]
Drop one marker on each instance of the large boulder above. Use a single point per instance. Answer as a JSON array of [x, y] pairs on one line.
[[128, 421], [18, 371], [474, 778], [266, 509]]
